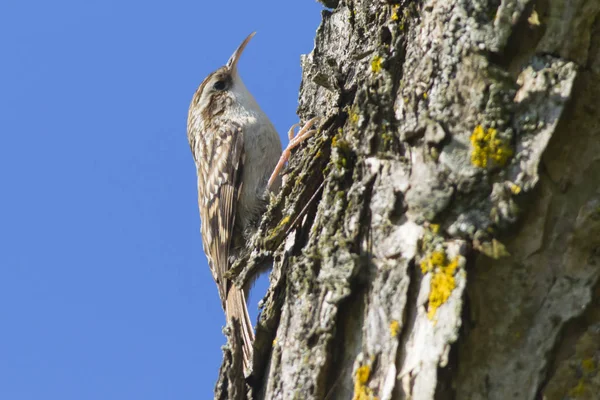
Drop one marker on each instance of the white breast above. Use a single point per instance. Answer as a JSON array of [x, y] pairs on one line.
[[262, 148]]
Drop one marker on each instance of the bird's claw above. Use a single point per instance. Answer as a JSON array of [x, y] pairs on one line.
[[295, 140]]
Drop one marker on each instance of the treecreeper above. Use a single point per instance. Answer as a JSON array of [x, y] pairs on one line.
[[238, 157]]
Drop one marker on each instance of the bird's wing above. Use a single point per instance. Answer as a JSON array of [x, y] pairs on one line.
[[219, 185]]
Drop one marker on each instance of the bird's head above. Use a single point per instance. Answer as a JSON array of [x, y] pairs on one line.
[[222, 87]]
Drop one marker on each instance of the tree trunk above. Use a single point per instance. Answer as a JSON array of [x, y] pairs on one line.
[[439, 238]]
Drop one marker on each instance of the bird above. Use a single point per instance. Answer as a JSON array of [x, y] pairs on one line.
[[238, 157]]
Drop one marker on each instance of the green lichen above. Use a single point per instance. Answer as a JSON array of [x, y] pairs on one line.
[[583, 389], [578, 390], [351, 16], [352, 112], [403, 19], [387, 139], [493, 249], [578, 377], [488, 145], [342, 151], [588, 365]]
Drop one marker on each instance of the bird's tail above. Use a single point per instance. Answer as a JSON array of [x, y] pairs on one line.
[[236, 309]]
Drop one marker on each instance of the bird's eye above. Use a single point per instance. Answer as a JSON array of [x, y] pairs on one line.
[[219, 85]]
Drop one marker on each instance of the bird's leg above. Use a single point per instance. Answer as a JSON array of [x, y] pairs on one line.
[[304, 133]]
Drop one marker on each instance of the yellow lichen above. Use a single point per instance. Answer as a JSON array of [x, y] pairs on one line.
[[361, 390], [362, 374], [487, 145], [435, 259], [534, 18], [442, 280], [515, 189], [394, 328], [395, 16], [274, 342], [435, 228], [376, 64], [442, 285], [425, 95], [277, 230], [284, 221]]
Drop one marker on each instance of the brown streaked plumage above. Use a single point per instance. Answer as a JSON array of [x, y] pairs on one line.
[[237, 154], [235, 148]]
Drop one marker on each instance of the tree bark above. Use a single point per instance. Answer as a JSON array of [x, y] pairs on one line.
[[439, 238]]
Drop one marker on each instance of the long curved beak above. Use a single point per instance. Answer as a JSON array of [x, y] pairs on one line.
[[233, 60]]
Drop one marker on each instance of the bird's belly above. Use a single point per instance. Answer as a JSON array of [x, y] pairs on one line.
[[262, 151]]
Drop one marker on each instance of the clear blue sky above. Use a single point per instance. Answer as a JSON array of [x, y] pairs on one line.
[[104, 288]]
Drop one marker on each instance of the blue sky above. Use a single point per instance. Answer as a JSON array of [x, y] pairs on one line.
[[104, 288]]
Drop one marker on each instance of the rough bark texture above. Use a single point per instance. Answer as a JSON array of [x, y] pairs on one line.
[[439, 238]]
